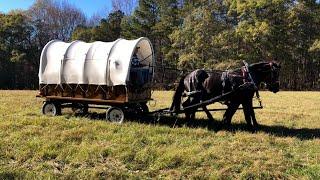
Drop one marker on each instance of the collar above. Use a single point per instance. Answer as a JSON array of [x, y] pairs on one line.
[[246, 75]]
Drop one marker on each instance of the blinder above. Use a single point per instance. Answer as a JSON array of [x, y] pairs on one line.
[[274, 83]]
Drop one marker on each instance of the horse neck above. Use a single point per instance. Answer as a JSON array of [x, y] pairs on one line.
[[258, 76]]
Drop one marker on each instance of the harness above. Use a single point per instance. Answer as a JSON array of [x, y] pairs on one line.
[[224, 78], [247, 78], [272, 69]]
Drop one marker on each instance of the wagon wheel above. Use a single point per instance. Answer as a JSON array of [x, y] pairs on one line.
[[51, 109], [79, 108], [115, 114]]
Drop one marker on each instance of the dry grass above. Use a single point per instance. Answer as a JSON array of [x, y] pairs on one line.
[[36, 146]]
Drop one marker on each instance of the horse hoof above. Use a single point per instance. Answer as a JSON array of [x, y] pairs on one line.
[[225, 125], [253, 129], [256, 125]]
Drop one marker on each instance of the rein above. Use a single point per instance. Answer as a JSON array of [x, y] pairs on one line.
[[246, 65]]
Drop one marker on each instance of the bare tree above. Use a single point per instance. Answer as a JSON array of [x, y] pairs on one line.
[[94, 20], [126, 6], [55, 20]]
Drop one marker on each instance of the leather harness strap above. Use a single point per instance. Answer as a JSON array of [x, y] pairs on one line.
[[248, 78], [224, 77]]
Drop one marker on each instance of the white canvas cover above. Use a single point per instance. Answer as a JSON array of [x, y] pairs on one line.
[[97, 63], [73, 63]]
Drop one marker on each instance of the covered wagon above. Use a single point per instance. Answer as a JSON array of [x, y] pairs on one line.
[[114, 75]]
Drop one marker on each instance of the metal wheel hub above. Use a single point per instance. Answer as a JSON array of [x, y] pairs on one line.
[[115, 114], [50, 109]]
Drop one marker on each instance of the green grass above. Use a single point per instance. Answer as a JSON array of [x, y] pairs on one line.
[[35, 146]]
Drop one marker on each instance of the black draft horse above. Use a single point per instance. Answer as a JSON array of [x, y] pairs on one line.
[[200, 85]]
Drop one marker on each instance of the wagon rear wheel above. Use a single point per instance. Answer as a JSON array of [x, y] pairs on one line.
[[51, 109], [115, 114]]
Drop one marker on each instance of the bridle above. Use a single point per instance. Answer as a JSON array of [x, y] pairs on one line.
[[272, 70]]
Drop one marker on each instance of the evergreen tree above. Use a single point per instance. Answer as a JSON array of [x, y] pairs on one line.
[[109, 29], [169, 20], [16, 50], [142, 23], [82, 33]]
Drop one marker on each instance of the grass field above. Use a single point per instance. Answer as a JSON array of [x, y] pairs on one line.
[[287, 146]]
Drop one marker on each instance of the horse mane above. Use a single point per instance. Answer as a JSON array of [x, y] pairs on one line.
[[262, 66], [263, 63]]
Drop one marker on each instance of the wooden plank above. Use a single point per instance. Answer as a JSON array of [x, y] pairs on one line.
[[90, 101], [85, 99]]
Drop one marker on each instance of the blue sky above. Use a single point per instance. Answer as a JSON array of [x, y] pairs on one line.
[[89, 7]]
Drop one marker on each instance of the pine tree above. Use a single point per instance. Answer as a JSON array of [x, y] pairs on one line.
[[142, 21], [109, 29], [169, 20]]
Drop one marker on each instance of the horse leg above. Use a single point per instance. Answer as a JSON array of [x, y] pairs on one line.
[[208, 113], [232, 108], [193, 116], [186, 104], [247, 113], [194, 100], [253, 116]]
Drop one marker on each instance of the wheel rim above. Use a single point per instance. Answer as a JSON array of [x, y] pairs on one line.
[[115, 115], [50, 109]]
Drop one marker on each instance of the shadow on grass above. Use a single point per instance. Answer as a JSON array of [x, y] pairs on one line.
[[280, 131], [174, 122]]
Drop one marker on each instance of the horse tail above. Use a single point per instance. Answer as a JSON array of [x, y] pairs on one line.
[[176, 100]]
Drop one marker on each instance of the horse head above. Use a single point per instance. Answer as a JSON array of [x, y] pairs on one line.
[[274, 84], [268, 73]]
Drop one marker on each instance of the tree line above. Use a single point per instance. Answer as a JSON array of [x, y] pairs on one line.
[[186, 34]]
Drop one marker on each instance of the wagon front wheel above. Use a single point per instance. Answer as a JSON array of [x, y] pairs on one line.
[[51, 109], [115, 114]]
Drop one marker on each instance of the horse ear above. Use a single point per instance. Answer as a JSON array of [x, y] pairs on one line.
[[277, 64]]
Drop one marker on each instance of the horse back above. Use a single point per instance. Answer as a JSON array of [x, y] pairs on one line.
[[213, 84], [194, 80]]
